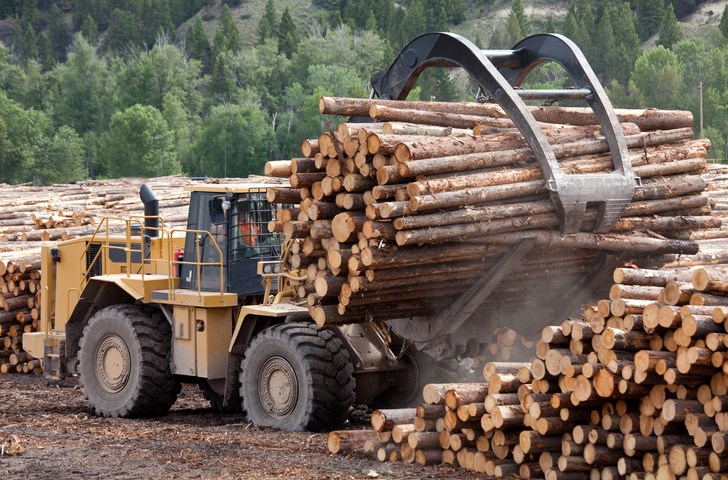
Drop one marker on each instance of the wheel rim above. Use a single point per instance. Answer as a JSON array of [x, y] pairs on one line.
[[278, 387], [112, 363]]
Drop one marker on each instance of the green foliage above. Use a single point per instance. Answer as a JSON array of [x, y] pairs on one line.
[[234, 141], [268, 25], [287, 36], [649, 17], [82, 95], [265, 71], [23, 137], [149, 75], [156, 20], [64, 159], [124, 31], [519, 13], [670, 32], [658, 77], [183, 124], [724, 22], [362, 52], [58, 34], [227, 35], [197, 44], [212, 104], [28, 43], [90, 31], [139, 143], [45, 56]]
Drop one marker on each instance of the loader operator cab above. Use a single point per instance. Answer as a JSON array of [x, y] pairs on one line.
[[237, 222]]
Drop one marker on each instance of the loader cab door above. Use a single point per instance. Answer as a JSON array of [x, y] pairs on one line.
[[238, 223], [250, 242]]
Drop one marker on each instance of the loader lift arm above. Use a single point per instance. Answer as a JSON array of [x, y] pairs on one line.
[[500, 73]]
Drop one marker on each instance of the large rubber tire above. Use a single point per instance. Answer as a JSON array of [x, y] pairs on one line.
[[296, 376], [125, 362]]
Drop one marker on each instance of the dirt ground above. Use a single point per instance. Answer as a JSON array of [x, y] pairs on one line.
[[61, 439]]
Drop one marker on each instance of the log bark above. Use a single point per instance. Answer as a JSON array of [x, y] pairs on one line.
[[647, 119]]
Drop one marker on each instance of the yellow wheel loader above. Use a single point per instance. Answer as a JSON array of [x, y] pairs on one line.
[[137, 309]]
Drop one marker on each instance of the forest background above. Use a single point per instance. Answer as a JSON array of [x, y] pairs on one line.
[[111, 88]]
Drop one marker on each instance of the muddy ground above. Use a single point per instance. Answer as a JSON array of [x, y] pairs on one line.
[[61, 439]]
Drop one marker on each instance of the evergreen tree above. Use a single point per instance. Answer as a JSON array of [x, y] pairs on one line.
[[628, 42], [287, 37], [670, 32], [29, 45], [439, 21], [415, 22], [197, 44], [81, 10], [395, 33], [28, 11], [586, 26], [58, 34], [227, 35], [478, 40], [724, 22], [222, 86], [606, 64], [46, 56], [90, 31], [82, 96], [574, 29], [550, 25], [123, 31], [371, 23], [649, 17], [156, 20], [267, 25], [514, 32], [521, 17]]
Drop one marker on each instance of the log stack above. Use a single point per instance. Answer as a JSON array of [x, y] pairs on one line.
[[634, 388], [19, 314], [398, 219]]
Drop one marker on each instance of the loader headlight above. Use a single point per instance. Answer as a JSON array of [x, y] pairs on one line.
[[270, 268]]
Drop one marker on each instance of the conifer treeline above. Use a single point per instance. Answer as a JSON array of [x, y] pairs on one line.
[[156, 87]]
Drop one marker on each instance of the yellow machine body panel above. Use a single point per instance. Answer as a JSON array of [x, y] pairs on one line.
[[201, 339]]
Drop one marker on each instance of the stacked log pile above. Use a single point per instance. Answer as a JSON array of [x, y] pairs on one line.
[[396, 219], [609, 394], [19, 314], [636, 388]]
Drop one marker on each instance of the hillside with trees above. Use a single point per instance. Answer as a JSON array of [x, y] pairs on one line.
[[108, 88]]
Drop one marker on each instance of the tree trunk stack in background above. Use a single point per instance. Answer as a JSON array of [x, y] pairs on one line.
[[398, 219]]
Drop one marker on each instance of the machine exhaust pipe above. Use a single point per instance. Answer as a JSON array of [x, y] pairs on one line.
[[151, 209]]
